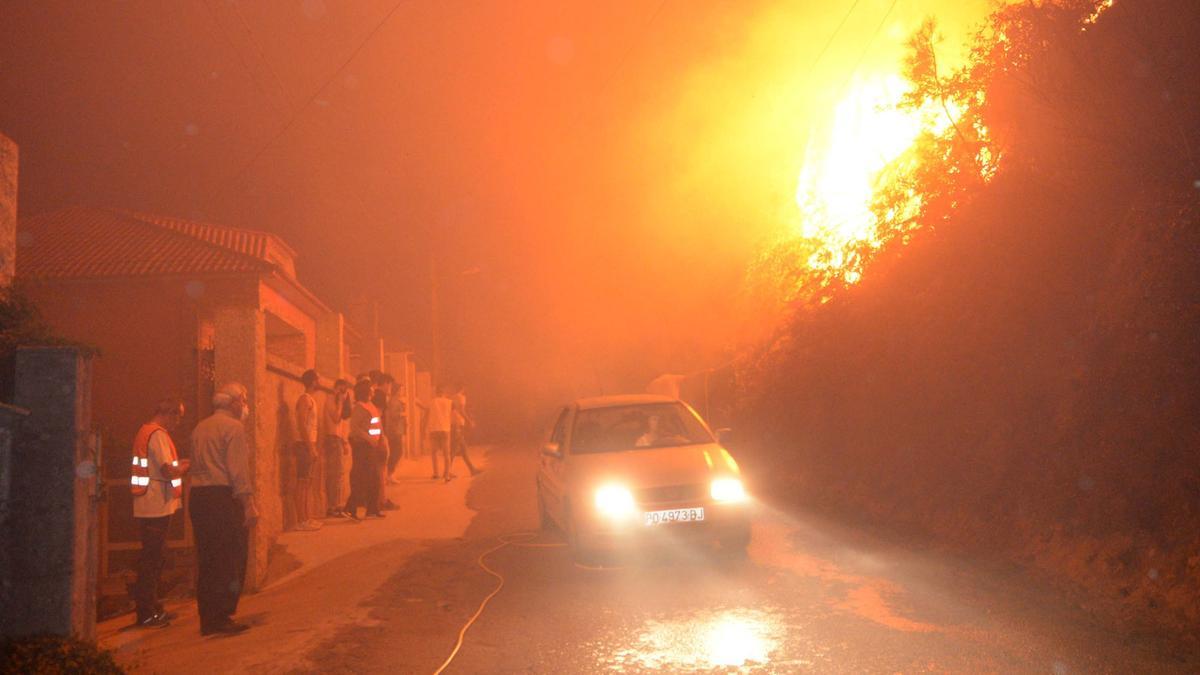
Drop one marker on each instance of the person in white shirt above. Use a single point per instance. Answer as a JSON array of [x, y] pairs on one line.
[[153, 509], [306, 451], [460, 423], [441, 411]]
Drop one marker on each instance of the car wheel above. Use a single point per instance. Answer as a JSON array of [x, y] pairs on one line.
[[581, 554], [544, 519]]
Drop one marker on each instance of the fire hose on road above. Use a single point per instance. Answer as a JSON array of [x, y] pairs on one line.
[[517, 539]]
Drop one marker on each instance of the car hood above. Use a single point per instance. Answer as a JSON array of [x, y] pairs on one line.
[[681, 465]]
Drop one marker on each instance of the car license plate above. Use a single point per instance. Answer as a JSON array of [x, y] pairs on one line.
[[673, 516]]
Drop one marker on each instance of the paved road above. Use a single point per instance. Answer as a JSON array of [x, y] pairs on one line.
[[811, 596]]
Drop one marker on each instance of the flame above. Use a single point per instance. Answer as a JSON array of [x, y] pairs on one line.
[[842, 169], [1101, 8]]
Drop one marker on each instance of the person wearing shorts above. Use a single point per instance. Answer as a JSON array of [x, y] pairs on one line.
[[441, 410], [306, 451]]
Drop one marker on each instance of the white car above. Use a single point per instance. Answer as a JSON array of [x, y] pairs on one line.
[[621, 469]]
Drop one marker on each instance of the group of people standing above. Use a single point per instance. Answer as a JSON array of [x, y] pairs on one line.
[[365, 421], [222, 507], [368, 423]]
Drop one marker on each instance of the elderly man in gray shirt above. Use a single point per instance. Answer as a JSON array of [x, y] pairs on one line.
[[222, 509]]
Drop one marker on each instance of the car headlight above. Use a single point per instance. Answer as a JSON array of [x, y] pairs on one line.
[[727, 490], [614, 501]]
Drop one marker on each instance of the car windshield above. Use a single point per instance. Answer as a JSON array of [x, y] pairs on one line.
[[636, 427]]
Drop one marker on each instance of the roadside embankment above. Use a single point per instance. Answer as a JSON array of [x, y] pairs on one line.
[[1022, 384]]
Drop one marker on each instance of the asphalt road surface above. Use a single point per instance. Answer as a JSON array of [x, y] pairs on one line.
[[811, 596]]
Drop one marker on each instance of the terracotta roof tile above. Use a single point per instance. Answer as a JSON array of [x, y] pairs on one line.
[[95, 243]]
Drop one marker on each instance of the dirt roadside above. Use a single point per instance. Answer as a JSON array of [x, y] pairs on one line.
[[332, 572]]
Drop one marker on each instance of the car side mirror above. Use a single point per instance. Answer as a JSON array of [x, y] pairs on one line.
[[552, 450], [724, 435]]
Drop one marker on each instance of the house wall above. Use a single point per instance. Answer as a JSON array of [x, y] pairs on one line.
[[8, 210], [281, 387], [183, 337], [239, 344], [145, 331], [276, 304]]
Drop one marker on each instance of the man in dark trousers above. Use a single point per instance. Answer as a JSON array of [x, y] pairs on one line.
[[460, 422], [366, 432], [222, 508], [383, 389], [157, 484]]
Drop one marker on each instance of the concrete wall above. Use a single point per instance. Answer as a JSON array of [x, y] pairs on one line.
[[282, 387], [8, 210], [48, 583], [146, 331], [239, 342], [155, 349], [156, 338], [331, 353], [11, 418], [273, 302]]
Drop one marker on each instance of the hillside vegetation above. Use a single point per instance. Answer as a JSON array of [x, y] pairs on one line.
[[1018, 373]]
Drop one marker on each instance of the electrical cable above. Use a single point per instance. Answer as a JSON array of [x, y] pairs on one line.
[[866, 49], [505, 541], [224, 33], [262, 54], [633, 43], [832, 37], [296, 114]]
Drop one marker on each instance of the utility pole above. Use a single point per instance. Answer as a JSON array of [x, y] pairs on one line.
[[434, 316]]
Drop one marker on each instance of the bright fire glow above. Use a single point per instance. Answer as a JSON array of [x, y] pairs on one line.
[[840, 171], [1095, 15]]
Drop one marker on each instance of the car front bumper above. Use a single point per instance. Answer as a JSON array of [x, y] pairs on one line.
[[721, 522]]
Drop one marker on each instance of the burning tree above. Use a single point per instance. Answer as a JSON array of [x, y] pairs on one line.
[[1016, 371]]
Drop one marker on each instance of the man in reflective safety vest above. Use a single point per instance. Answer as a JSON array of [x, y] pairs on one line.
[[366, 433], [156, 482]]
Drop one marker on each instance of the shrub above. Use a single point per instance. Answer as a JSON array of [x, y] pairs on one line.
[[49, 654]]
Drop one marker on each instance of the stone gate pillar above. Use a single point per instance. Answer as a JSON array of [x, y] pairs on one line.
[[50, 533]]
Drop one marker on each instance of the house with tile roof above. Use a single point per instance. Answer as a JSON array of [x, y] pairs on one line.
[[176, 308]]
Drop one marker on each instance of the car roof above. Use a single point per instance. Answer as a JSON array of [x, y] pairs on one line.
[[621, 399]]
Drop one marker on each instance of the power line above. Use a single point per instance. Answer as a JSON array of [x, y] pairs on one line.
[[309, 101], [866, 49], [241, 57], [262, 54], [632, 44], [832, 37]]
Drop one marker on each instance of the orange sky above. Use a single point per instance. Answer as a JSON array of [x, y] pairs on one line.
[[608, 168]]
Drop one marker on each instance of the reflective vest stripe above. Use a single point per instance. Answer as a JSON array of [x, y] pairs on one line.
[[376, 428], [139, 480]]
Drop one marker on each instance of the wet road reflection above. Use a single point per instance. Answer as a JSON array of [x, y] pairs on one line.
[[810, 595], [701, 641]]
